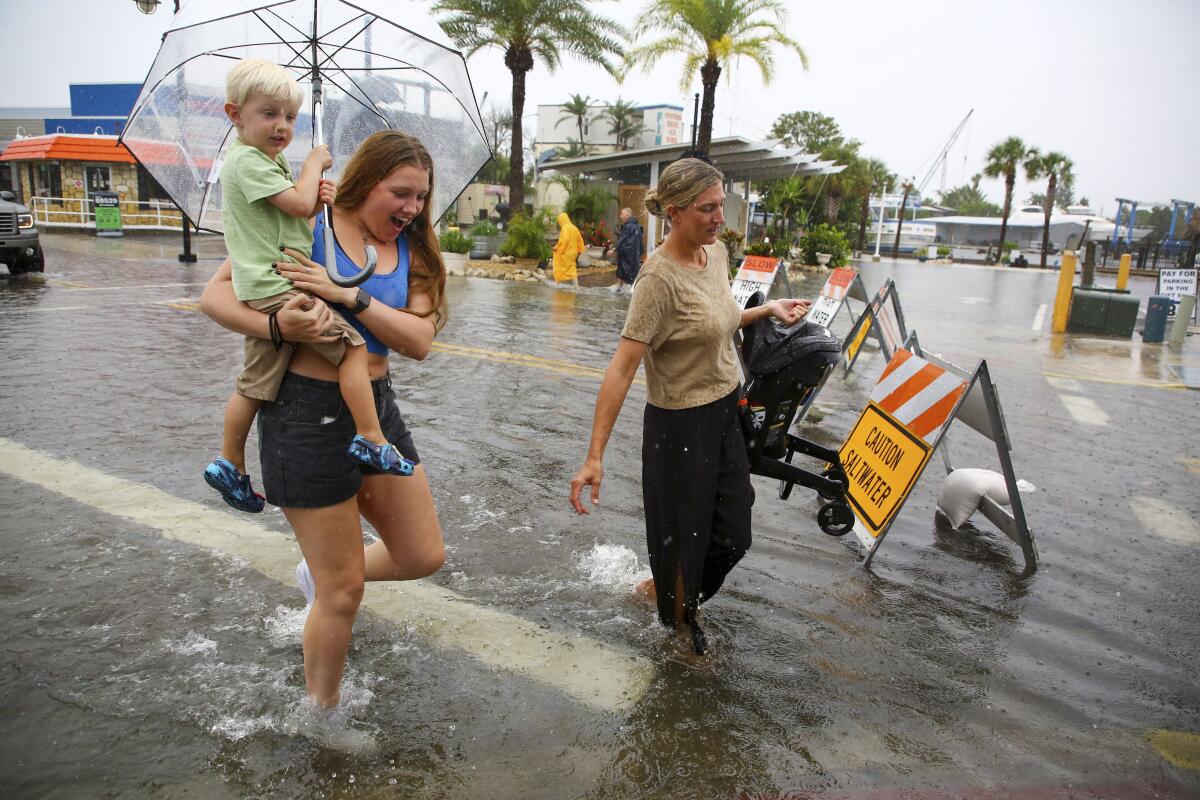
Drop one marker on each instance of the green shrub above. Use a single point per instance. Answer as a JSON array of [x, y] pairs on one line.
[[586, 202], [526, 239], [825, 239], [943, 251], [485, 228], [455, 242], [757, 249]]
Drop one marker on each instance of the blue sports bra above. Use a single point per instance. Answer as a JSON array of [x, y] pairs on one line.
[[390, 289]]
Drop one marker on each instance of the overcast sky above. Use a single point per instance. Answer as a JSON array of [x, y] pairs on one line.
[[1108, 82]]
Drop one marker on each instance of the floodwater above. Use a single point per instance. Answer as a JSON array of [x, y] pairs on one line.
[[140, 664]]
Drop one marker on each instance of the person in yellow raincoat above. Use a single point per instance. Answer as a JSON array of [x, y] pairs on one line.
[[569, 248]]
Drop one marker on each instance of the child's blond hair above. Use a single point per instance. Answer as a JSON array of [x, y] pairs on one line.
[[258, 76]]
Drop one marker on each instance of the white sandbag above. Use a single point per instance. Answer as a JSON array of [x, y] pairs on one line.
[[965, 488]]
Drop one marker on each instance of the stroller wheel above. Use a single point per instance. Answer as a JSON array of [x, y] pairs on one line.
[[831, 474], [835, 519]]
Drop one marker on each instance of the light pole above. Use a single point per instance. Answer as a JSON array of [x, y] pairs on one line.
[[187, 256]]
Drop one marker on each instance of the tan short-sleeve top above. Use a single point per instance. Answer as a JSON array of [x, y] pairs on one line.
[[686, 317]]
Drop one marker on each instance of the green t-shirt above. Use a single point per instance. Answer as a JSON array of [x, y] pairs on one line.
[[254, 228]]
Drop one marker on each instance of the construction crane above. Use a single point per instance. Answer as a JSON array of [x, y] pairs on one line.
[[940, 160]]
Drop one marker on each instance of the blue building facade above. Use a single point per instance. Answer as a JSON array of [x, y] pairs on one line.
[[103, 106]]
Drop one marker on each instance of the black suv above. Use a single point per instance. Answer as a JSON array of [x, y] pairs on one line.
[[19, 245]]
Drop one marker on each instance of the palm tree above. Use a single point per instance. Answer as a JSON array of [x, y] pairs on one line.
[[624, 122], [907, 186], [783, 199], [710, 34], [577, 108], [1003, 159], [877, 179], [844, 183], [524, 29], [497, 125], [1056, 167]]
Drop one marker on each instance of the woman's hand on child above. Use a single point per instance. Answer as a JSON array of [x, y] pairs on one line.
[[304, 320], [789, 311], [309, 276]]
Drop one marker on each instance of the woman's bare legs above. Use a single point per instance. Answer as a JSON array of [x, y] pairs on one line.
[[402, 513], [331, 540]]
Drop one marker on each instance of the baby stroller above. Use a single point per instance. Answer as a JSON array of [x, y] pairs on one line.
[[784, 368]]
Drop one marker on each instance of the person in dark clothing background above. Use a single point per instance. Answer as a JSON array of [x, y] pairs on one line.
[[631, 246]]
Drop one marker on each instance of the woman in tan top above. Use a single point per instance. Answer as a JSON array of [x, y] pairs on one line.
[[695, 473]]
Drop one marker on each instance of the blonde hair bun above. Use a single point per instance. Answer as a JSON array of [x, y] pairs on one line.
[[680, 184]]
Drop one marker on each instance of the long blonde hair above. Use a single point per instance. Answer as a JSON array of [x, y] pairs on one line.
[[680, 184], [374, 160]]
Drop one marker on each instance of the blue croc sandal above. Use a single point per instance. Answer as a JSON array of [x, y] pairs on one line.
[[383, 457], [234, 487]]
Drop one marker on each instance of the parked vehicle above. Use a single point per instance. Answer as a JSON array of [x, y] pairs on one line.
[[20, 248]]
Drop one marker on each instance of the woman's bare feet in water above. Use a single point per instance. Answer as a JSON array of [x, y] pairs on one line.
[[645, 592]]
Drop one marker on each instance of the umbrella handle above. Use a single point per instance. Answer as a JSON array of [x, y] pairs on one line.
[[331, 257], [331, 237]]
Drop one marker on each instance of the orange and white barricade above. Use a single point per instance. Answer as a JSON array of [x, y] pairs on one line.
[[913, 404]]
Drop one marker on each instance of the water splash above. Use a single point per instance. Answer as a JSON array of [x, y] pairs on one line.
[[613, 566]]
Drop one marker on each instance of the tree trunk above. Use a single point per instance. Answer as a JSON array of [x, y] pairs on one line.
[[1009, 179], [710, 73], [900, 222], [1048, 208], [519, 62], [833, 205], [863, 212]]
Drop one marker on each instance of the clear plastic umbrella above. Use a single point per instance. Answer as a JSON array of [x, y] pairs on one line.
[[365, 73]]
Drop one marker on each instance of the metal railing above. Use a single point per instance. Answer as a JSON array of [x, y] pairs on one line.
[[74, 212], [1148, 255]]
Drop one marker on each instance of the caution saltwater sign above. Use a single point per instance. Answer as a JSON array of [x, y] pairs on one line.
[[882, 459]]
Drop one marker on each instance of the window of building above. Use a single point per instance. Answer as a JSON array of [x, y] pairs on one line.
[[97, 178], [148, 188], [47, 179]]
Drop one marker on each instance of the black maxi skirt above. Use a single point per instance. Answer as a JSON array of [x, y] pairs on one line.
[[696, 489]]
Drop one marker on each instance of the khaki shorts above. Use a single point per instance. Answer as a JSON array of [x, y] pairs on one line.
[[264, 368]]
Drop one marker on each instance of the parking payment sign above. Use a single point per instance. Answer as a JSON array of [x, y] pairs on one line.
[[1175, 284], [891, 443]]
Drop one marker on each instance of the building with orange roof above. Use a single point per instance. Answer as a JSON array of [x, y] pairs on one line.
[[57, 174]]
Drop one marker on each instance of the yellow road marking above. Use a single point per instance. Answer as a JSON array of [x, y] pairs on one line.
[[483, 354], [1160, 518], [1117, 381], [599, 675], [1179, 747], [522, 359], [64, 284]]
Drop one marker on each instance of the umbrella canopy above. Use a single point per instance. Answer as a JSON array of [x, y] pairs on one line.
[[376, 74]]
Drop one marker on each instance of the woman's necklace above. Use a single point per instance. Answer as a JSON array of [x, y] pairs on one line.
[[367, 236]]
